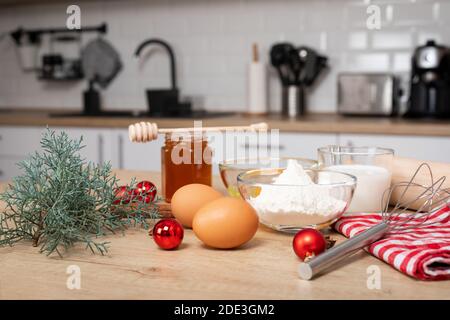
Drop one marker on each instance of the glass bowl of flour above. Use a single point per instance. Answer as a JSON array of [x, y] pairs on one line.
[[294, 198], [230, 169]]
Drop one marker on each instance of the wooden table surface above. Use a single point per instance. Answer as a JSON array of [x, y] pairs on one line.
[[135, 268], [312, 123]]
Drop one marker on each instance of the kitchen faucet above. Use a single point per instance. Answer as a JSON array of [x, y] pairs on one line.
[[165, 102], [166, 46]]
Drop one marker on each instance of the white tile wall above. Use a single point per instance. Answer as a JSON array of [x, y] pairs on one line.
[[357, 40], [391, 40], [368, 62], [414, 12], [212, 41], [401, 62]]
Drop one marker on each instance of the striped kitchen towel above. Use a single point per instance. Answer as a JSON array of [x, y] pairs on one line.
[[420, 252]]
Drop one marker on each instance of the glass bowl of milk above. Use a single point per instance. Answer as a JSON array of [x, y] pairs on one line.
[[372, 167]]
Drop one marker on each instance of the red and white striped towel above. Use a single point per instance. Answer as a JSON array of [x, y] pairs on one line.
[[420, 252]]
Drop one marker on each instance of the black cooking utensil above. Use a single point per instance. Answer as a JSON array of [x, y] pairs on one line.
[[320, 65], [279, 57], [309, 59], [296, 65], [312, 65]]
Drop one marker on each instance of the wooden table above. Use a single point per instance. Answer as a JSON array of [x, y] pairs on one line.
[[135, 268]]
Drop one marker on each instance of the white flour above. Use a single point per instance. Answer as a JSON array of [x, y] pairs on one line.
[[300, 202]]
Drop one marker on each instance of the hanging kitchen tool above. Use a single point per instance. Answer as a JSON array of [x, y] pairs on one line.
[[58, 63], [101, 64], [27, 49]]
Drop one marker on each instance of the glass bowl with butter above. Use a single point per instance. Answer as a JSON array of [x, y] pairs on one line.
[[294, 198], [230, 169]]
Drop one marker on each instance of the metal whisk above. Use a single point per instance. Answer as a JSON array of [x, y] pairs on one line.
[[397, 219]]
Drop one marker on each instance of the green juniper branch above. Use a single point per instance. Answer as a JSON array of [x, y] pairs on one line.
[[60, 200]]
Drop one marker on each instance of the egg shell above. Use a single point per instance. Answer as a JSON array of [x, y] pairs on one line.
[[188, 199], [225, 223]]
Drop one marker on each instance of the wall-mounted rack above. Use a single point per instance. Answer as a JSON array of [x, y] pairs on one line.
[[55, 64], [34, 35]]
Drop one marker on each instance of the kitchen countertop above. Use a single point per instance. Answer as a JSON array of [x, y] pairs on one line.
[[135, 268], [313, 123]]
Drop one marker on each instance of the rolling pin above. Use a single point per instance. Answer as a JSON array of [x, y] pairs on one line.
[[404, 168]]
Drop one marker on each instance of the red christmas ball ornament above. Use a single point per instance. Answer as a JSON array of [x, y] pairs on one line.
[[147, 198], [308, 243], [122, 195], [168, 234], [146, 191]]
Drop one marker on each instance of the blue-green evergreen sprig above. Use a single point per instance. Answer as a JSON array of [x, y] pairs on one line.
[[60, 200]]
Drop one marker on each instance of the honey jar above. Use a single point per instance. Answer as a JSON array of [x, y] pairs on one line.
[[185, 158]]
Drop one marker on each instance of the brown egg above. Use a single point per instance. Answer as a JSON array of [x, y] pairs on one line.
[[225, 223], [188, 199]]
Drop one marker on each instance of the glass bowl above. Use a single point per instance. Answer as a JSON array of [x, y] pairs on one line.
[[230, 169], [291, 207], [372, 166]]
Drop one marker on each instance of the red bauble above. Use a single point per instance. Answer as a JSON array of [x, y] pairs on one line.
[[147, 198], [146, 191], [168, 234], [308, 243], [122, 195]]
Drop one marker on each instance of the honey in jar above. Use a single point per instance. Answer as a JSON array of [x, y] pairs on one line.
[[185, 159]]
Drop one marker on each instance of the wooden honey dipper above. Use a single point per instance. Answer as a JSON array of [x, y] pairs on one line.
[[148, 131]]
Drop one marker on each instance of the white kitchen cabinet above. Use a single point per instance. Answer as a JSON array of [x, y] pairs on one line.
[[304, 145], [18, 142], [15, 144], [418, 147], [94, 141], [137, 156], [9, 168], [238, 145], [108, 144], [285, 144]]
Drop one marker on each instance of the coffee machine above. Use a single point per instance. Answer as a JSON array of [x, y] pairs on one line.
[[430, 82]]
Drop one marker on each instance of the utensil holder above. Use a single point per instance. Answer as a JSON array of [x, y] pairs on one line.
[[293, 101]]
